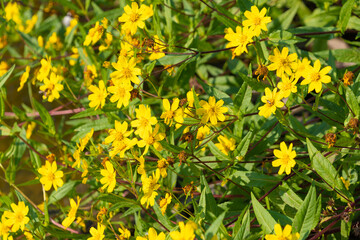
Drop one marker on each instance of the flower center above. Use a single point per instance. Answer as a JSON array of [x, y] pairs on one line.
[[51, 177], [134, 17], [257, 21], [169, 114], [243, 39], [284, 62], [119, 136], [144, 122], [285, 159], [315, 77], [19, 217], [121, 92], [127, 73], [270, 102]]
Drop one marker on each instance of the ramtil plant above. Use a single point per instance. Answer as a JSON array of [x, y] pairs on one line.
[[179, 120]]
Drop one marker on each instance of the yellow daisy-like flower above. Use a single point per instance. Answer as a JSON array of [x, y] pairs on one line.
[[187, 231], [282, 62], [121, 93], [285, 158], [94, 34], [17, 218], [272, 100], [238, 39], [121, 147], [124, 233], [302, 68], [119, 133], [89, 74], [3, 68], [97, 233], [127, 71], [149, 187], [45, 69], [225, 145], [73, 24], [51, 176], [144, 120], [256, 21], [98, 96], [108, 39], [52, 87], [287, 85], [157, 50], [109, 179], [164, 202], [72, 213], [212, 111], [172, 112], [134, 17], [141, 166], [24, 77], [151, 138], [282, 234], [315, 77], [152, 235], [162, 165]]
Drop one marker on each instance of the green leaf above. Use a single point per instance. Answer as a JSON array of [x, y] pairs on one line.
[[345, 14], [352, 101], [5, 77], [224, 16], [207, 201], [97, 125], [110, 15], [68, 4], [214, 227], [243, 97], [31, 42], [342, 55], [62, 191], [87, 113], [243, 146], [252, 82], [61, 234], [326, 170], [2, 107], [162, 218], [45, 117], [253, 179], [213, 91], [266, 221], [304, 218], [217, 153], [284, 20], [244, 230], [284, 37]]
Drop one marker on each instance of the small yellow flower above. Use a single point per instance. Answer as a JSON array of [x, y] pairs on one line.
[[272, 101], [51, 176], [98, 96], [287, 85], [134, 17], [72, 213], [97, 233], [30, 128], [119, 133], [282, 62], [256, 21], [282, 234], [108, 39], [3, 68], [122, 146], [144, 120], [152, 235], [285, 158], [212, 111], [302, 67], [52, 87], [225, 145], [121, 93], [164, 202], [73, 24], [186, 231], [89, 74], [172, 112], [315, 77], [40, 41], [94, 34], [151, 138], [141, 166], [149, 188], [162, 165], [127, 71], [157, 50], [17, 218], [24, 77], [4, 228], [45, 69], [109, 179], [124, 233], [239, 39]]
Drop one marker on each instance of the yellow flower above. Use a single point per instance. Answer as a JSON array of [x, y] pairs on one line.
[[45, 69], [40, 41], [24, 77], [282, 62], [98, 96], [149, 188], [12, 12], [30, 24], [144, 120], [164, 202], [315, 77], [134, 17], [105, 22], [97, 233], [3, 68], [186, 231], [212, 111], [121, 147], [285, 158], [109, 179], [17, 218], [152, 235], [151, 138], [4, 228], [172, 112], [94, 34], [52, 87], [108, 39], [121, 93], [73, 24], [282, 234], [50, 176], [272, 100], [89, 74], [141, 166], [84, 141], [127, 71], [302, 68], [119, 133], [72, 213], [287, 85], [256, 21], [30, 128], [54, 41], [157, 49], [238, 39], [225, 145], [162, 165], [124, 233]]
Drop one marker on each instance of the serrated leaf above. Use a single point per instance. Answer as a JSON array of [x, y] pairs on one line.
[[6, 76], [62, 191], [345, 14], [304, 218], [266, 221], [45, 117]]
